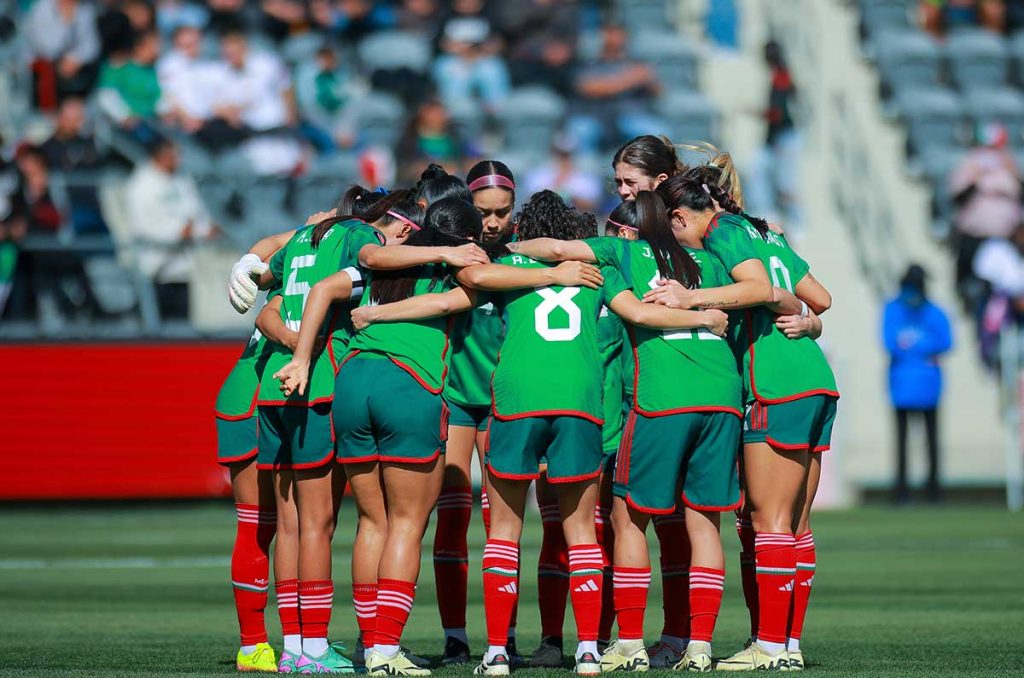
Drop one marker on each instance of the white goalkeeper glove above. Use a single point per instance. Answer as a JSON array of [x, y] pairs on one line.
[[242, 286]]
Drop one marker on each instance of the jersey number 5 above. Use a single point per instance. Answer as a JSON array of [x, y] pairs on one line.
[[553, 300], [294, 288]]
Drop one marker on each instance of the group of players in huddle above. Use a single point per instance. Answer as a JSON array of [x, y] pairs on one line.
[[645, 375]]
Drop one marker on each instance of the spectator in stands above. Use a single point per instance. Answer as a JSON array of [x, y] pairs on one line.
[[916, 334], [542, 37], [986, 187], [422, 17], [469, 62], [167, 217], [173, 14], [282, 18], [129, 90], [325, 92], [615, 95], [226, 15], [252, 99], [64, 47], [33, 199], [73, 149], [563, 177], [941, 16], [1000, 264], [430, 137], [353, 20], [185, 81]]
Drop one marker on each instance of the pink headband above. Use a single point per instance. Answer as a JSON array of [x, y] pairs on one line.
[[492, 180], [411, 223], [630, 228]]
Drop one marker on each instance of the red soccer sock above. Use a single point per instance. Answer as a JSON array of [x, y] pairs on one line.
[[630, 586], [316, 600], [776, 569], [451, 555], [706, 585], [586, 579], [748, 574], [675, 573], [606, 540], [288, 606], [485, 511], [501, 590], [805, 564], [394, 604], [250, 569], [552, 573], [364, 600]]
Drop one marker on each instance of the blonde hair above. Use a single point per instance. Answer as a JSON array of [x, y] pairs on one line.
[[728, 178]]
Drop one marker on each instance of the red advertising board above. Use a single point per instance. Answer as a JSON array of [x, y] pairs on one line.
[[116, 420]]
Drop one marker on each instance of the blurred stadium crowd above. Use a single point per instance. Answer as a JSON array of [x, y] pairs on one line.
[[147, 127]]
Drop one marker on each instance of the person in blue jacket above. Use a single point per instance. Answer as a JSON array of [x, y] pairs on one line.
[[916, 333]]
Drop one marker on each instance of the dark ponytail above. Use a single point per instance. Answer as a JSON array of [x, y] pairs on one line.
[[401, 201], [674, 262], [710, 176], [651, 155], [449, 222], [436, 184], [357, 200]]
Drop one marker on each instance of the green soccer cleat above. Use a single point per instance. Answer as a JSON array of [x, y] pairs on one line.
[[260, 659], [628, 655], [754, 658], [330, 661]]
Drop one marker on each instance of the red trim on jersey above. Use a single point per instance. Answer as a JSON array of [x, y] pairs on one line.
[[445, 416], [625, 450], [296, 467], [227, 461], [302, 403], [412, 373], [512, 476], [753, 386], [331, 326], [644, 509], [358, 460], [410, 460], [822, 448], [237, 417], [799, 447], [712, 225], [716, 509], [576, 479], [547, 413]]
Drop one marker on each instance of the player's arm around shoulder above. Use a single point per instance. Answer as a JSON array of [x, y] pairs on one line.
[[508, 276]]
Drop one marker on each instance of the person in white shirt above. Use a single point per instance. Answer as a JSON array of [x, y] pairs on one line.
[[63, 40], [166, 218], [1000, 262], [185, 81], [563, 177]]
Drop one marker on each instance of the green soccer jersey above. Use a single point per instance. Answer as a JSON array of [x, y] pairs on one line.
[[677, 370], [476, 340], [299, 266], [549, 361], [236, 398], [419, 347], [610, 336], [775, 369]]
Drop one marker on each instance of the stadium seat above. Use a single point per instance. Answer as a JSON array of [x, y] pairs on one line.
[[1017, 51], [530, 117], [977, 58], [389, 50], [468, 119], [880, 15], [908, 58], [934, 116], [690, 116], [937, 163], [380, 119], [300, 49], [670, 54], [112, 285], [322, 187], [1003, 105], [638, 14]]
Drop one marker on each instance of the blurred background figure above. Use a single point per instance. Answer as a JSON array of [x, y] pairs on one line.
[[562, 176], [430, 137], [72, 148], [469, 66], [916, 334], [65, 46], [999, 264]]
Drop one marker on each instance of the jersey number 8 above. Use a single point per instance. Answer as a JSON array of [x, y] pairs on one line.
[[552, 300]]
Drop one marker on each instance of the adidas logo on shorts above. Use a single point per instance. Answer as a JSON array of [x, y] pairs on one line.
[[588, 585]]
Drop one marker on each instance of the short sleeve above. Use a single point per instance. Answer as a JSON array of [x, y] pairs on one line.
[[731, 244], [614, 283], [607, 250], [362, 235], [798, 268], [277, 263]]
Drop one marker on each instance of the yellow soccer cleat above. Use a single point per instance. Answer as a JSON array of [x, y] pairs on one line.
[[396, 665], [696, 658], [754, 658], [796, 660], [628, 655], [260, 659]]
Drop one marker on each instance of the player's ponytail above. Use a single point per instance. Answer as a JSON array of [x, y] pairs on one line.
[[358, 199], [655, 229], [711, 177], [436, 184], [399, 204]]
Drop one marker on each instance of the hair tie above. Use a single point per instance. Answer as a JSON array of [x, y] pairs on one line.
[[381, 190], [396, 215], [706, 189], [628, 228], [492, 180]]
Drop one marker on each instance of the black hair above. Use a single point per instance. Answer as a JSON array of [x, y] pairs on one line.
[[357, 200], [486, 168], [697, 190], [623, 215], [546, 215], [655, 229], [401, 201], [449, 222], [651, 155], [436, 184]]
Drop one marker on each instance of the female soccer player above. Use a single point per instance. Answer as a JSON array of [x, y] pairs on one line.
[[644, 162], [789, 389], [674, 438]]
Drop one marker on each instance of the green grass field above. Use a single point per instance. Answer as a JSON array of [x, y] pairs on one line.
[[124, 590]]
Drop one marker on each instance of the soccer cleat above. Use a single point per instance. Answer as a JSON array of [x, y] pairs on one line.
[[421, 662], [359, 656], [663, 655], [588, 665], [696, 658], [286, 664], [548, 654], [796, 660], [515, 659], [260, 659], [498, 666], [455, 652], [397, 665], [754, 658], [622, 657], [330, 661]]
